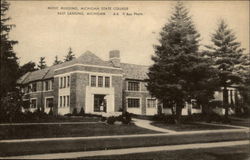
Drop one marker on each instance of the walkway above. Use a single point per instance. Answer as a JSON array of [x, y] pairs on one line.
[[72, 155], [147, 124]]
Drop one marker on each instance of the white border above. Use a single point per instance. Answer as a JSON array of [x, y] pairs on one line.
[[87, 65], [88, 72]]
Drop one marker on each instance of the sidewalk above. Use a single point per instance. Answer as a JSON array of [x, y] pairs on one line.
[[124, 136], [146, 124], [72, 155]]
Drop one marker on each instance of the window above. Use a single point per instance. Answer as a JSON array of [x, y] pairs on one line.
[[33, 103], [133, 86], [52, 83], [67, 100], [93, 81], [100, 81], [46, 85], [64, 101], [61, 82], [48, 102], [151, 103], [107, 82], [34, 89], [60, 101], [68, 81], [133, 103], [64, 82]]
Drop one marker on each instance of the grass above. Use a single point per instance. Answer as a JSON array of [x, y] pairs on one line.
[[49, 119], [224, 153], [25, 148], [188, 126], [68, 130]]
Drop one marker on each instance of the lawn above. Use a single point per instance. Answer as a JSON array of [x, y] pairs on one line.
[[224, 153], [68, 130], [51, 119], [188, 126], [60, 146]]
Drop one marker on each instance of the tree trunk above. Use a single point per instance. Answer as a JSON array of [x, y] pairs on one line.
[[178, 113], [225, 101]]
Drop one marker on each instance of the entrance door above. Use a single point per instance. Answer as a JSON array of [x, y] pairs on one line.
[[100, 103]]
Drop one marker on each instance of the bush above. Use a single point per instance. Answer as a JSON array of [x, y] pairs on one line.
[[111, 120], [74, 113], [81, 113], [170, 119], [126, 118], [103, 119]]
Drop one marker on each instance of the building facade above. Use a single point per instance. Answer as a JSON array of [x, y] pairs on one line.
[[90, 83], [95, 85]]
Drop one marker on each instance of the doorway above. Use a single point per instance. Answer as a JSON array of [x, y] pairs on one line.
[[100, 103]]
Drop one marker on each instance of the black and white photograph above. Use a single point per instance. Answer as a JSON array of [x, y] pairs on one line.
[[125, 80]]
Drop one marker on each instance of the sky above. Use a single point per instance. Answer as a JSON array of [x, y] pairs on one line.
[[45, 32]]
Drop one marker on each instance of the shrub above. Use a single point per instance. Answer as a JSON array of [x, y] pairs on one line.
[[103, 119], [111, 120], [81, 113], [74, 113], [126, 118]]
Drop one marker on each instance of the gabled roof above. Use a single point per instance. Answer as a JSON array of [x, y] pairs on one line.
[[131, 71]]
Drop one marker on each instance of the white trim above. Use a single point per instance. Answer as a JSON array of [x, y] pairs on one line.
[[45, 98], [89, 72], [36, 103], [87, 65], [140, 98]]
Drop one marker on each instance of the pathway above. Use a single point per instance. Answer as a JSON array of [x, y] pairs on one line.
[[72, 155], [147, 124]]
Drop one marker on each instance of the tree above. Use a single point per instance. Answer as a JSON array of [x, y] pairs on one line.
[[69, 56], [226, 54], [179, 72], [9, 65], [28, 67], [42, 63], [56, 61]]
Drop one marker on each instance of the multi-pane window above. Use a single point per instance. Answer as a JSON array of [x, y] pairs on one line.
[[151, 103], [133, 86], [48, 85], [100, 81], [107, 82], [133, 102], [93, 81], [33, 103], [64, 101], [64, 82]]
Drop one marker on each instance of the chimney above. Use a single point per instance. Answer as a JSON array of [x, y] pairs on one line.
[[114, 57]]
